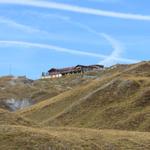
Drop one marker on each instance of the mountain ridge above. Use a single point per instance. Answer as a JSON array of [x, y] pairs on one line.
[[109, 111]]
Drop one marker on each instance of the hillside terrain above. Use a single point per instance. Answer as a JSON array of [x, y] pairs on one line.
[[21, 137], [119, 100], [103, 110], [8, 118], [19, 92]]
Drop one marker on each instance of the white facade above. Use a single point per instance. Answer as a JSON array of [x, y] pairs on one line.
[[52, 76]]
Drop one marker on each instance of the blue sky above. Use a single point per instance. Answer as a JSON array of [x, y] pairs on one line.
[[36, 35]]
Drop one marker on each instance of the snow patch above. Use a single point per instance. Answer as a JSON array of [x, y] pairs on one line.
[[14, 104]]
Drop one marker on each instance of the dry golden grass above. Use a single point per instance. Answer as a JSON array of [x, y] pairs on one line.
[[35, 91], [118, 100], [105, 113], [8, 118], [25, 138]]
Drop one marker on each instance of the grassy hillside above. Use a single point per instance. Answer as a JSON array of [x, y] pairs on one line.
[[106, 110], [8, 118], [21, 88], [26, 138], [118, 99]]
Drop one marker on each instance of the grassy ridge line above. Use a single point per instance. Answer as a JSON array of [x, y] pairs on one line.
[[128, 113], [20, 137], [118, 100], [63, 100], [35, 91], [75, 105], [81, 100], [103, 77]]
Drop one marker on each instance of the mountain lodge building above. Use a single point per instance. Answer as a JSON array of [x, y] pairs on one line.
[[57, 73]]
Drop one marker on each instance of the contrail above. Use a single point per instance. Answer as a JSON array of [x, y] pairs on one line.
[[19, 26], [106, 61], [116, 53], [60, 49], [116, 45], [105, 1], [77, 9]]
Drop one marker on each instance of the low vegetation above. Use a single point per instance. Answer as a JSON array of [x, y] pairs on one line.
[[25, 138], [21, 88], [106, 110]]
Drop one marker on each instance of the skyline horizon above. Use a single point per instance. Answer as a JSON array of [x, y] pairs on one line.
[[10, 73], [66, 33]]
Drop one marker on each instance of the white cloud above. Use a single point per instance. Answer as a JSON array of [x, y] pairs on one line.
[[116, 45], [60, 49], [106, 1], [20, 26], [56, 16], [46, 15], [116, 53], [77, 9], [108, 60]]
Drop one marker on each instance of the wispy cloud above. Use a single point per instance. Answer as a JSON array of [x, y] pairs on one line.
[[116, 45], [19, 26], [77, 9], [60, 49], [116, 53], [105, 1], [50, 15], [108, 60]]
